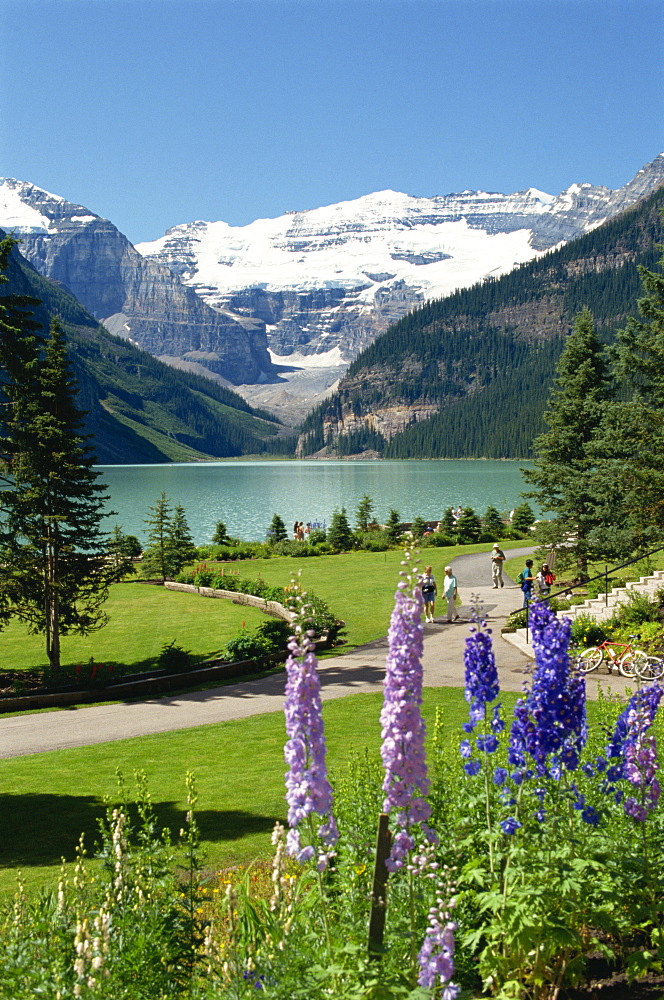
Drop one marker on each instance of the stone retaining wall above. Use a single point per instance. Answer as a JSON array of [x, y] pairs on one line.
[[273, 608]]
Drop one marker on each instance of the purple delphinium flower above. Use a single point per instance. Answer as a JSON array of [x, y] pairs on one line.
[[406, 782], [641, 771], [481, 673], [436, 956], [510, 825], [642, 706], [550, 721], [308, 790]]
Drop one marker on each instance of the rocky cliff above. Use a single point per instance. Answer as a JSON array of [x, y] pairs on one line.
[[332, 279], [135, 298]]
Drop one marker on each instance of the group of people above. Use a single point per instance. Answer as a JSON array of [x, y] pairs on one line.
[[544, 579], [300, 531], [429, 589]]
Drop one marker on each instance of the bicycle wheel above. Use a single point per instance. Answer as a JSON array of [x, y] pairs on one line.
[[652, 670], [588, 659], [632, 662]]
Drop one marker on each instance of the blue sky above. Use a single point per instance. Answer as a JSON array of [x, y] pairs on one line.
[[157, 112]]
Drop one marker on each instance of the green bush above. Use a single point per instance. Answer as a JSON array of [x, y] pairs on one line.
[[174, 658], [638, 608], [487, 536], [275, 633], [437, 541], [586, 631], [246, 647], [317, 536]]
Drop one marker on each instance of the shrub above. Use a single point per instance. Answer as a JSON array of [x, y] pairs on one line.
[[246, 647], [586, 631], [638, 608], [487, 536], [275, 633], [317, 536], [174, 658], [437, 541]]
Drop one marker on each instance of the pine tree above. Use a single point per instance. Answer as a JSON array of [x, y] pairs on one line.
[[492, 522], [468, 525], [277, 530], [448, 524], [631, 442], [180, 546], [52, 547], [220, 536], [158, 521], [339, 535], [393, 526], [523, 517], [565, 474], [418, 527], [119, 554], [363, 513]]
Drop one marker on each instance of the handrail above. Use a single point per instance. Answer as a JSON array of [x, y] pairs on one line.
[[606, 574]]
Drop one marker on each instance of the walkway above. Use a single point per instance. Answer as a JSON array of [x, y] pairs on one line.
[[361, 670]]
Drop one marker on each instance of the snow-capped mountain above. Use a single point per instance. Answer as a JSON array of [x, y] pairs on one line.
[[331, 279], [133, 296], [315, 286]]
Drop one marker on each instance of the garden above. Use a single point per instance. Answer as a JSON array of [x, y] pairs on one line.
[[517, 852]]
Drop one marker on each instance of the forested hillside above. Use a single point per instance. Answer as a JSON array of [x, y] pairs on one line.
[[469, 375], [139, 409]]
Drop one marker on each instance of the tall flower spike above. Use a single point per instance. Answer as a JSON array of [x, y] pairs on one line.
[[406, 782], [436, 956], [308, 790], [550, 721]]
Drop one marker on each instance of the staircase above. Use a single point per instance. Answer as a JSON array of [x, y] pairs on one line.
[[601, 608]]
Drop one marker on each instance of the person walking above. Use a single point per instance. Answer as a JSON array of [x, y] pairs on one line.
[[429, 590], [527, 580], [450, 591], [497, 560], [545, 580]]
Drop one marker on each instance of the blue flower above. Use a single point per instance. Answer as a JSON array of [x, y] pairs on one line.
[[590, 816], [472, 767], [465, 749], [509, 825], [499, 776]]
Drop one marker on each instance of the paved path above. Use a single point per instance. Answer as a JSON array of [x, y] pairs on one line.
[[361, 670]]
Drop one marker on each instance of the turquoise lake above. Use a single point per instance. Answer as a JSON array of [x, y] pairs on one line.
[[245, 495]]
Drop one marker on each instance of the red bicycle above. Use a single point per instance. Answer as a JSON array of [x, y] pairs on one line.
[[628, 661]]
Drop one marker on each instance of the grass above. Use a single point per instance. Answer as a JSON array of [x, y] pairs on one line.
[[48, 800], [358, 586], [141, 619]]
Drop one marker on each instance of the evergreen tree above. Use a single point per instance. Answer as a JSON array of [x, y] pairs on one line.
[[418, 527], [492, 522], [565, 476], [469, 525], [363, 513], [523, 517], [448, 524], [220, 536], [158, 521], [179, 543], [631, 441], [393, 526], [339, 535], [277, 530], [52, 547], [119, 554]]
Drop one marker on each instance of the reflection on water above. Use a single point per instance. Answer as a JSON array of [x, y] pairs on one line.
[[245, 495]]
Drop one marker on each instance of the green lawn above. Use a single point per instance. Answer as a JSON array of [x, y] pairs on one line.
[[141, 619], [358, 586], [48, 799]]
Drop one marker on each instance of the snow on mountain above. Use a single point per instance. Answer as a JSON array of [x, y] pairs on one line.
[[337, 276], [315, 287]]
